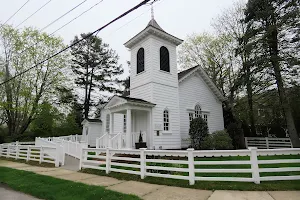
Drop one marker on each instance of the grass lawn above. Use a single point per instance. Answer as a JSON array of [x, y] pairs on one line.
[[34, 163], [50, 188], [217, 185]]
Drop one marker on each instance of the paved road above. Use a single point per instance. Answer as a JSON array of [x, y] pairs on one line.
[[8, 194]]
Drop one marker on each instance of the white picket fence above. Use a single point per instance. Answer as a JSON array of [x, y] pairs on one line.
[[69, 147], [31, 153], [48, 142], [268, 143], [193, 165]]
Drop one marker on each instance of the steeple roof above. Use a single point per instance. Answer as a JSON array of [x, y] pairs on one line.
[[153, 29], [154, 24]]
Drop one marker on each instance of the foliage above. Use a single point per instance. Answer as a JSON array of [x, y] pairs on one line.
[[273, 30], [198, 131], [96, 68], [42, 125], [218, 140], [23, 95], [236, 133]]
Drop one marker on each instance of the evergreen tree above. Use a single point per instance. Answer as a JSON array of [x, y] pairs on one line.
[[96, 68], [273, 28]]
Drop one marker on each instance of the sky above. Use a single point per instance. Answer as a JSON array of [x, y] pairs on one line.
[[177, 17]]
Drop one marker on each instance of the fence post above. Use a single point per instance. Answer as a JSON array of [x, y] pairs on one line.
[[8, 151], [41, 154], [246, 142], [107, 161], [57, 155], [97, 143], [28, 153], [1, 150], [143, 162], [254, 165], [17, 150], [191, 166], [81, 158], [267, 142]]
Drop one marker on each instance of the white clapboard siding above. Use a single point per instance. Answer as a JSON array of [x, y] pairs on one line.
[[194, 90]]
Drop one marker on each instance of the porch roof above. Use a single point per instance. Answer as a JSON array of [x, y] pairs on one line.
[[116, 101]]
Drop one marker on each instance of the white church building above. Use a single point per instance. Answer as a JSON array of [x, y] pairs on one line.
[[162, 102]]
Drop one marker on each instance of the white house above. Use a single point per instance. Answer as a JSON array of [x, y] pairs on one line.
[[162, 102]]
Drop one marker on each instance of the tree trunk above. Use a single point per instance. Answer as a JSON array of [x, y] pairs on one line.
[[250, 101], [274, 55]]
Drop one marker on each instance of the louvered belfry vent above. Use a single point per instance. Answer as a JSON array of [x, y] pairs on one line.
[[140, 61], [164, 59]]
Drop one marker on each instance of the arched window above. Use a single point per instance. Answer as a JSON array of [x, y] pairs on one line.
[[166, 120], [164, 59], [197, 111], [140, 65]]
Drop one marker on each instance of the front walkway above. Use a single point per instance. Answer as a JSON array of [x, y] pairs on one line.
[[151, 191], [7, 193]]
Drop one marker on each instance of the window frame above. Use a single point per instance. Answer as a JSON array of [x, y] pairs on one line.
[[107, 124], [164, 59], [140, 61], [166, 120], [124, 124], [197, 111]]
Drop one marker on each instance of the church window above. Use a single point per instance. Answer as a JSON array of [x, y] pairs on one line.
[[191, 117], [164, 59], [166, 120], [197, 111], [124, 124], [140, 61], [107, 123], [205, 117]]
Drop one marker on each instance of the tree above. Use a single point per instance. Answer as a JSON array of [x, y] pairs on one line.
[[24, 94], [274, 27], [198, 131], [44, 121], [96, 68]]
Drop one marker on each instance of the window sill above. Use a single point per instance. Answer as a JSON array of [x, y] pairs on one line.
[[167, 132], [165, 72], [141, 73]]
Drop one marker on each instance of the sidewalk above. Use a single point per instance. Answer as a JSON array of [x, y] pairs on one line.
[[151, 191]]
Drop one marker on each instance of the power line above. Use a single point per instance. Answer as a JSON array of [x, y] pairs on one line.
[[53, 23], [63, 15], [87, 36], [34, 13], [134, 18], [15, 13], [77, 17]]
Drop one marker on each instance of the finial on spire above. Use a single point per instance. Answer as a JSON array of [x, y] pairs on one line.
[[152, 11]]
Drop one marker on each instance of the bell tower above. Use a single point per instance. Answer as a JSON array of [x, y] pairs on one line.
[[154, 78]]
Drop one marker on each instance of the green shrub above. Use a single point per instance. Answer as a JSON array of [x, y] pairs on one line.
[[236, 133], [198, 131], [218, 140]]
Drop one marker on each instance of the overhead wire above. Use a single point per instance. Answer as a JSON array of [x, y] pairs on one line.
[[45, 4], [14, 13], [77, 17], [63, 15], [73, 44]]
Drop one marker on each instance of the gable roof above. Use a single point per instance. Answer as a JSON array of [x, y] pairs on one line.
[[120, 100], [91, 120], [153, 29], [186, 73]]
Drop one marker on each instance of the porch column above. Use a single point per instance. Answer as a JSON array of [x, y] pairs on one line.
[[128, 129]]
